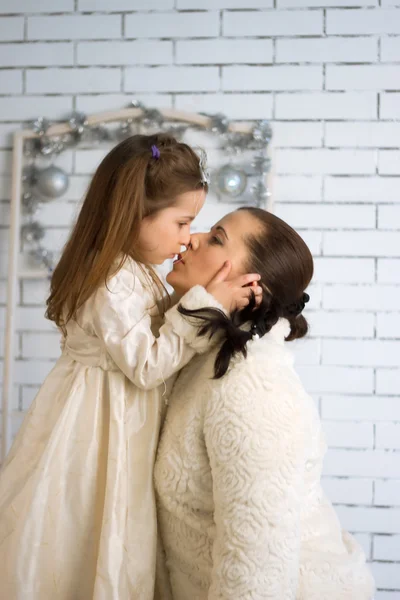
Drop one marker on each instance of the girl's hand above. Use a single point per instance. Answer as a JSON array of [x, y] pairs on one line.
[[234, 294]]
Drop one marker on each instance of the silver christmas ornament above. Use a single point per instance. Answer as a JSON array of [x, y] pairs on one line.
[[219, 123], [30, 203], [262, 133], [261, 164], [32, 232], [231, 181], [260, 193], [52, 182], [40, 125], [78, 122]]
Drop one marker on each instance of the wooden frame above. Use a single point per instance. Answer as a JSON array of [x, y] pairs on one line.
[[15, 273]]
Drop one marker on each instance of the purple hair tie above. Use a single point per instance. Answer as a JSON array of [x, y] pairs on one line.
[[155, 153]]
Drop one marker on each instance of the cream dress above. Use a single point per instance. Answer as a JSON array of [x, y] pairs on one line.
[[77, 511]]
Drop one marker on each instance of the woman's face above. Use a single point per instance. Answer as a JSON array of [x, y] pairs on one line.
[[209, 251]]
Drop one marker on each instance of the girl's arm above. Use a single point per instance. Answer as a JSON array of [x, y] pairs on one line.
[[120, 319], [255, 446]]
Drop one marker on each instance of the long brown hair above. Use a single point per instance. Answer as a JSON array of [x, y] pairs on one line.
[[284, 261], [129, 184]]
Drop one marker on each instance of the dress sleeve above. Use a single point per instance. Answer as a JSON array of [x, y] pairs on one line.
[[255, 445], [120, 318]]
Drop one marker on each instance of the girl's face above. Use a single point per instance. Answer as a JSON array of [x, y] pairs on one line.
[[162, 235], [209, 251]]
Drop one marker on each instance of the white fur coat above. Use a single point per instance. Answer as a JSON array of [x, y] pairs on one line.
[[241, 510]]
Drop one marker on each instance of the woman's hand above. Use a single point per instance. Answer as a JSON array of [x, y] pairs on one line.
[[236, 293]]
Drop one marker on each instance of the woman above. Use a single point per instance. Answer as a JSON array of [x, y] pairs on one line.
[[241, 509]]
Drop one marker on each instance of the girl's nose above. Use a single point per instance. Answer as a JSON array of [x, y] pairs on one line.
[[195, 241]]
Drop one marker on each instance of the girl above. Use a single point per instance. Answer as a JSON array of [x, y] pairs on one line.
[[77, 513], [242, 512]]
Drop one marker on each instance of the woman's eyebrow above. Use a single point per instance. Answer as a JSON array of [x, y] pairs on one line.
[[223, 230]]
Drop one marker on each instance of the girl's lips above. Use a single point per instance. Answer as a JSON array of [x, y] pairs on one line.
[[179, 259]]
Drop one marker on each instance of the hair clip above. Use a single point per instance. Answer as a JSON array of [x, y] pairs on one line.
[[205, 175], [155, 153]]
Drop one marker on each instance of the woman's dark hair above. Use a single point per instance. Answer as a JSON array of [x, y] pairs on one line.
[[285, 264]]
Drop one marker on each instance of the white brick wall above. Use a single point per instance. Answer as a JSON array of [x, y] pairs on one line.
[[327, 73]]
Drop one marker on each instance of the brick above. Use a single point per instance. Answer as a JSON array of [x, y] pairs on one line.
[[388, 270], [313, 239], [368, 134], [348, 491], [348, 435], [341, 324], [387, 575], [73, 80], [328, 379], [324, 216], [300, 134], [362, 77], [11, 82], [344, 270], [11, 28], [387, 547], [220, 51], [390, 49], [86, 161], [76, 27], [364, 353], [388, 435], [124, 5], [388, 381], [362, 189], [172, 25], [104, 102], [7, 131], [172, 79], [369, 519], [124, 53], [297, 188], [36, 55], [362, 243], [32, 371], [35, 291], [388, 325], [350, 105], [387, 492], [271, 78], [389, 162], [306, 351], [360, 408], [43, 345], [327, 50], [362, 297], [26, 6], [234, 106], [382, 594], [272, 23], [21, 108], [204, 4], [5, 161], [324, 161], [33, 319], [363, 463], [362, 21], [329, 3], [390, 106]]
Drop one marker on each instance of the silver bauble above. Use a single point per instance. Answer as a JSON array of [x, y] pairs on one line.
[[231, 181], [32, 232], [52, 182], [262, 133]]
